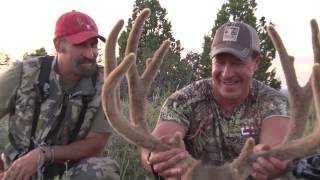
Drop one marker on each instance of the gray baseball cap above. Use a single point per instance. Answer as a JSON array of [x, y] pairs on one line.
[[236, 38]]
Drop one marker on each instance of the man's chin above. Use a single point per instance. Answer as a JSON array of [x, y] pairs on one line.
[[230, 95], [88, 72]]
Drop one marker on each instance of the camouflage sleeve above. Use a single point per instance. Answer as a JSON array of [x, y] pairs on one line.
[[173, 110], [274, 105], [100, 123], [9, 83]]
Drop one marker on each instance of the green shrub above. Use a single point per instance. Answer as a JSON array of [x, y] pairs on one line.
[[128, 155]]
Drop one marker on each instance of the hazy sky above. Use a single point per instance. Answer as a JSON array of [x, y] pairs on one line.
[[28, 25]]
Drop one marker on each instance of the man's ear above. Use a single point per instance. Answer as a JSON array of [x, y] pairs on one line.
[[257, 61], [58, 44]]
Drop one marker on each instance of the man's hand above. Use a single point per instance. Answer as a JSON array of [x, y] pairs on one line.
[[264, 169], [167, 163], [24, 167]]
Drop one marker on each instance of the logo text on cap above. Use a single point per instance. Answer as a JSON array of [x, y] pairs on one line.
[[230, 33]]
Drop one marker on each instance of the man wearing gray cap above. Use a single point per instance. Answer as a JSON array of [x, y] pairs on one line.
[[218, 114]]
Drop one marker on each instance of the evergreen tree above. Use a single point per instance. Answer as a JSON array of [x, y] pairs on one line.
[[4, 60], [38, 52], [173, 72], [245, 11], [193, 59]]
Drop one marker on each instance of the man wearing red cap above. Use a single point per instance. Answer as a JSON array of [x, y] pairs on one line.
[[56, 123]]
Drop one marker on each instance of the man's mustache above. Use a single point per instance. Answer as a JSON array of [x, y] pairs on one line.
[[84, 60]]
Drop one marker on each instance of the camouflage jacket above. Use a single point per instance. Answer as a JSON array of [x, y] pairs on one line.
[[213, 136], [20, 120]]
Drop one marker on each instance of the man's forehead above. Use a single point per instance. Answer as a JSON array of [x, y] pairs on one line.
[[227, 55], [89, 41]]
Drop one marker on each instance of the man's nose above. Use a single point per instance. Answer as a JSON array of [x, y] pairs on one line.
[[227, 70], [91, 52]]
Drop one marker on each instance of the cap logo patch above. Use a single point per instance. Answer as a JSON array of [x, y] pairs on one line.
[[82, 23], [230, 33], [245, 52]]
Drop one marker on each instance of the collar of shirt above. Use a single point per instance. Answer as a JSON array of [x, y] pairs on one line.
[[83, 87]]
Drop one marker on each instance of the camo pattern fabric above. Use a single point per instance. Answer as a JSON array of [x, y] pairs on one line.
[[213, 136], [21, 120], [96, 168]]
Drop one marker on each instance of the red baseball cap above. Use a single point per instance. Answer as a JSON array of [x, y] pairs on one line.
[[76, 27]]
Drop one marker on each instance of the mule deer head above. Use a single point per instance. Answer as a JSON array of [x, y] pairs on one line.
[[137, 131]]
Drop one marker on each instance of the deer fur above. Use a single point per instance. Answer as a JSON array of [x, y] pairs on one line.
[[137, 131]]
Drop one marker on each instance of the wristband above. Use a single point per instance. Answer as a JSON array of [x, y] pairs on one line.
[[52, 152]]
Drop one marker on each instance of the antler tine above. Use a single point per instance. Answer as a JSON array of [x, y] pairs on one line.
[[154, 64], [315, 40], [110, 49], [299, 97], [316, 91], [136, 95], [286, 60], [110, 55], [136, 31], [133, 41]]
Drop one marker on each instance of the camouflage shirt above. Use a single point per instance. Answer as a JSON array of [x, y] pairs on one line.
[[19, 98], [213, 136]]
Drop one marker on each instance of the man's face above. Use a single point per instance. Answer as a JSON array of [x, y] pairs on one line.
[[81, 58], [232, 77]]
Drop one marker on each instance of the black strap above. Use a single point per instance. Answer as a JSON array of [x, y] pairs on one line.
[[75, 131], [45, 62], [55, 126], [85, 102]]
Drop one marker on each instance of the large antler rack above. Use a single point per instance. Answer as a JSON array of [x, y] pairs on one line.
[[138, 132]]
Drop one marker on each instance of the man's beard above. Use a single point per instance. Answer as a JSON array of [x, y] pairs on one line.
[[88, 71]]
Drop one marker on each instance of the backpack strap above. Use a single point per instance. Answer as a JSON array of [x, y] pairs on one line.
[[45, 68], [85, 102]]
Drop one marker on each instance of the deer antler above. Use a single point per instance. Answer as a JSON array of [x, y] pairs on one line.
[[299, 101], [138, 86], [138, 132], [299, 97]]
